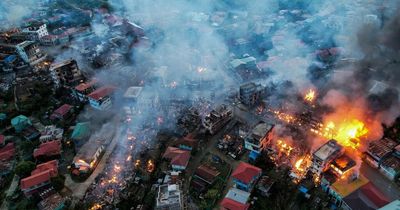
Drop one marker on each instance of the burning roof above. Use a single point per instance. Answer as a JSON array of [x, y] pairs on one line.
[[342, 164]]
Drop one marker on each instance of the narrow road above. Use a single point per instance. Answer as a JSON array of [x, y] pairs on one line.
[[388, 188], [9, 192]]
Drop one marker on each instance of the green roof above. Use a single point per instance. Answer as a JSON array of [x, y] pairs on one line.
[[20, 122], [3, 116], [81, 131]]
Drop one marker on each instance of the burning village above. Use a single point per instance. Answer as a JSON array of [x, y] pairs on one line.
[[199, 104]]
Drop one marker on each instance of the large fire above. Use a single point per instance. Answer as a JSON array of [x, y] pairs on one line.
[[347, 132], [284, 148], [310, 96]]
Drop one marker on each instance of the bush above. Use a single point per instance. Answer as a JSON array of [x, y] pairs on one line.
[[58, 182], [24, 168]]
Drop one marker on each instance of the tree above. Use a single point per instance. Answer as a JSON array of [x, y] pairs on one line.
[[24, 168], [211, 194], [58, 182]]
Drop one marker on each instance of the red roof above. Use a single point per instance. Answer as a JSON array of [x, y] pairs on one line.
[[207, 173], [2, 139], [245, 172], [51, 166], [63, 110], [177, 156], [48, 149], [84, 86], [36, 179], [101, 92], [7, 152], [229, 204], [374, 195]]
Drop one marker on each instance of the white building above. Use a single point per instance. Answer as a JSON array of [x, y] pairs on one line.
[[324, 155], [101, 98], [169, 197], [257, 139], [50, 133], [36, 32], [217, 118]]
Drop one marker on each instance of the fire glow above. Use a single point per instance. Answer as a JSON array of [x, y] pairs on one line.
[[310, 96], [347, 132]]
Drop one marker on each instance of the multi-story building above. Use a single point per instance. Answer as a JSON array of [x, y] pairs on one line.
[[101, 98], [28, 51], [82, 90], [36, 31], [257, 139], [66, 73], [217, 118], [324, 155], [245, 176], [169, 197], [250, 93]]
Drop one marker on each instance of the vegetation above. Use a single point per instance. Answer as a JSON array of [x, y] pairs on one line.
[[24, 168], [58, 182]]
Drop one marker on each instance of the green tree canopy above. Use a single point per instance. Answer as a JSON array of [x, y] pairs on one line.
[[24, 168]]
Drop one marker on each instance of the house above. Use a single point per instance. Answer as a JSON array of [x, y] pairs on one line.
[[169, 196], [235, 199], [250, 93], [339, 188], [187, 143], [245, 176], [258, 138], [2, 140], [51, 132], [48, 149], [83, 89], [379, 150], [390, 167], [49, 40], [264, 185], [80, 133], [61, 113], [217, 118], [7, 152], [367, 197], [52, 202], [39, 179], [132, 93], [178, 158], [30, 133], [35, 32], [394, 205], [30, 52], [324, 155], [207, 173], [66, 73], [20, 122], [101, 98]]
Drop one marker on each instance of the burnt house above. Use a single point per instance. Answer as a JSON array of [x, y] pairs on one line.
[[378, 150]]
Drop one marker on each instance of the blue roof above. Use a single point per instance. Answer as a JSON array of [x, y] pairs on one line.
[[303, 189], [10, 58], [253, 155]]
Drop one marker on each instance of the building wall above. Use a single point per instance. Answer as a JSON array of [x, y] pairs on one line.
[[101, 105], [178, 167]]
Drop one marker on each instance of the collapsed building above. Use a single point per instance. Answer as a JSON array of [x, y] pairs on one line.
[[28, 51], [66, 73], [217, 118], [169, 196], [250, 93]]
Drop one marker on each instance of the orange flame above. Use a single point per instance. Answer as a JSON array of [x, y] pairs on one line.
[[310, 96]]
